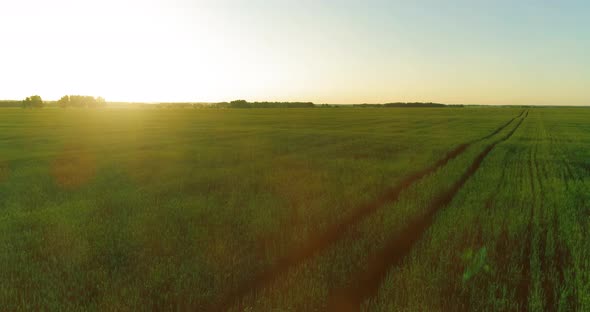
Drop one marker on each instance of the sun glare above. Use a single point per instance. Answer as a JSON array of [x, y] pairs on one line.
[[184, 50]]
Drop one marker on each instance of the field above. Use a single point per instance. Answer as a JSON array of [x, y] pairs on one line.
[[340, 209]]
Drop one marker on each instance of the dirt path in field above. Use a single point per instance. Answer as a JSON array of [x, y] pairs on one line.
[[366, 283], [502, 127], [338, 230]]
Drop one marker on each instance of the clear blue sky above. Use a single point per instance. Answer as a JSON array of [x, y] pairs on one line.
[[489, 52]]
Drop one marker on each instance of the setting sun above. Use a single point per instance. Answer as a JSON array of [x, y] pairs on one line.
[[317, 51]]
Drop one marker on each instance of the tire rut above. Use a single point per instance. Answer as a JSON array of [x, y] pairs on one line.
[[337, 231], [502, 127], [366, 283], [547, 237], [524, 286]]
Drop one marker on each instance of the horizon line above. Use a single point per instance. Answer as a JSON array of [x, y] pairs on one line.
[[324, 103]]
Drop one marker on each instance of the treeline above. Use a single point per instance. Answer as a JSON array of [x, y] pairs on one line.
[[81, 101], [246, 104], [36, 101], [406, 104], [7, 103]]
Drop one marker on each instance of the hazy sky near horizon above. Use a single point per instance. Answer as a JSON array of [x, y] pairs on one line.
[[464, 51]]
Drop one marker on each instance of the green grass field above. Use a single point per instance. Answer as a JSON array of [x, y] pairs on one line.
[[401, 209]]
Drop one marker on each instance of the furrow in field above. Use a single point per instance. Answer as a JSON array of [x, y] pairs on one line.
[[366, 283], [537, 295], [562, 256], [548, 232], [489, 203], [524, 285], [549, 283], [337, 231], [547, 263], [562, 260]]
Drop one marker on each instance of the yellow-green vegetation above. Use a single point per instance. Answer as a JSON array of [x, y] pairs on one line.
[[515, 237], [412, 209]]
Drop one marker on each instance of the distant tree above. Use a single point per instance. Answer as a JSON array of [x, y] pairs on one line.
[[245, 104], [221, 105], [95, 102], [9, 103], [81, 101], [64, 101], [239, 104], [27, 103], [414, 104], [34, 101]]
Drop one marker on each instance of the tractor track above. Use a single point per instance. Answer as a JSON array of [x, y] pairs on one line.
[[502, 127], [337, 231], [547, 232], [524, 286], [366, 283]]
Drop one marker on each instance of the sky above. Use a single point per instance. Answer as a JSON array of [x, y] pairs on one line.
[[372, 51]]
